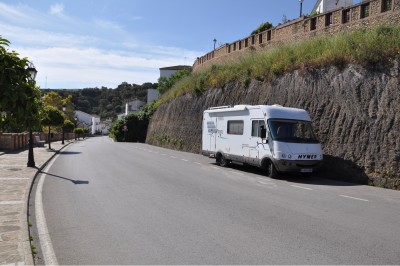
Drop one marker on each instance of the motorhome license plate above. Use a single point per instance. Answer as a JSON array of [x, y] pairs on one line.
[[306, 170]]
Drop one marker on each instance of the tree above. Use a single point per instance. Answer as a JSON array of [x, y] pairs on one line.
[[52, 117], [19, 97], [263, 27], [68, 125], [56, 100]]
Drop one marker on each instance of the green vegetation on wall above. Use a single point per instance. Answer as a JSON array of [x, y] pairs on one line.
[[368, 48], [166, 83], [263, 27]]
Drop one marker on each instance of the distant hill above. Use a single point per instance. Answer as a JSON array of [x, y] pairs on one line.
[[105, 102]]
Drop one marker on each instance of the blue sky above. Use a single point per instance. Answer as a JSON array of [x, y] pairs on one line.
[[92, 43]]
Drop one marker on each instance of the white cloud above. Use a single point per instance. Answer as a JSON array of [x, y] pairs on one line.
[[108, 25], [57, 9], [97, 53]]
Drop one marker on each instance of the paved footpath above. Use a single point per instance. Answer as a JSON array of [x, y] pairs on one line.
[[15, 182]]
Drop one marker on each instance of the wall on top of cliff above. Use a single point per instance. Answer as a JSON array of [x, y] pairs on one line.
[[355, 112]]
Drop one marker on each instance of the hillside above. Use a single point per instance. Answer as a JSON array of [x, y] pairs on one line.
[[105, 102]]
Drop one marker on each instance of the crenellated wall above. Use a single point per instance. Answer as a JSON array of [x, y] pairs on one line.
[[367, 14]]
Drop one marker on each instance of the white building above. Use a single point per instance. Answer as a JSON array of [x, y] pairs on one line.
[[323, 6], [91, 122], [152, 95], [131, 107], [168, 71]]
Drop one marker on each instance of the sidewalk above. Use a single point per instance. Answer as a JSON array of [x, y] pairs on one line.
[[15, 182]]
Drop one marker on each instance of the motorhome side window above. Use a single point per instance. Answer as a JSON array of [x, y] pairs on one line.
[[235, 127], [256, 127]]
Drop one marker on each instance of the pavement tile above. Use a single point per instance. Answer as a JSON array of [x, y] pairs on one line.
[[15, 181]]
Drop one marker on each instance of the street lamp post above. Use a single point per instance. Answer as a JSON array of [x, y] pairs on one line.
[[63, 129], [301, 7], [31, 159]]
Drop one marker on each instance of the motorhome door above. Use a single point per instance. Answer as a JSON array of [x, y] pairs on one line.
[[255, 141], [212, 132]]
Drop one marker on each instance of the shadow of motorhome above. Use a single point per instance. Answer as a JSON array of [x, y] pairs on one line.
[[318, 178]]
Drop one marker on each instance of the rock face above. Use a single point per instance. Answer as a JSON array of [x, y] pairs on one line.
[[355, 113]]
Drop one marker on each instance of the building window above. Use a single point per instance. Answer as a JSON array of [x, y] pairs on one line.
[[235, 127], [234, 47], [346, 16], [386, 5], [269, 34], [313, 24], [246, 42], [364, 11], [256, 127], [253, 40], [240, 45], [260, 41], [229, 48], [328, 19]]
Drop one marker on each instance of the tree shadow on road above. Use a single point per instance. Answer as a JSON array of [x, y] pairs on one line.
[[75, 182]]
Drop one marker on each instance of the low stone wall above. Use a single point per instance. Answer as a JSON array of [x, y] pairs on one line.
[[14, 141]]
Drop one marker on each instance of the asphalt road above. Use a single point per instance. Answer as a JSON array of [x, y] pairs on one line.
[[131, 203]]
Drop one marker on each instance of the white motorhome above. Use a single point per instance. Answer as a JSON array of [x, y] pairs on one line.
[[274, 138]]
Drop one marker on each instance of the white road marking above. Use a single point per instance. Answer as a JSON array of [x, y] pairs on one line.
[[215, 167], [173, 157], [14, 178], [197, 163], [185, 160], [236, 173], [44, 236], [11, 202], [349, 197], [306, 188]]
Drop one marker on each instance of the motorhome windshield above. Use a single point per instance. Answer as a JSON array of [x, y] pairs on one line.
[[292, 131]]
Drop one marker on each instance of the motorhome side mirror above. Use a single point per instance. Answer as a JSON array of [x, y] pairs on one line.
[[263, 133]]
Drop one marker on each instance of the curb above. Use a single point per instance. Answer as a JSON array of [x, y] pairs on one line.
[[26, 242]]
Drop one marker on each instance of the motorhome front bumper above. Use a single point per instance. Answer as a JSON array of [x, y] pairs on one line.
[[298, 166]]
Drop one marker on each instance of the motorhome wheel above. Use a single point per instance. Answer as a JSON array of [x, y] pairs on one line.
[[223, 162], [271, 170]]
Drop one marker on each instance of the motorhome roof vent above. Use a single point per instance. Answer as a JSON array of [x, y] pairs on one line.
[[219, 107]]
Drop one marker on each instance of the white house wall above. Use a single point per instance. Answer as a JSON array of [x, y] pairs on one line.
[[328, 5]]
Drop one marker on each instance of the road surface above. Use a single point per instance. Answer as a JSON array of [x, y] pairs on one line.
[[132, 203]]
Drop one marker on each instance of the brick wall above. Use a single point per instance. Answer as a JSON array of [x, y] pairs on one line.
[[367, 14], [14, 141]]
